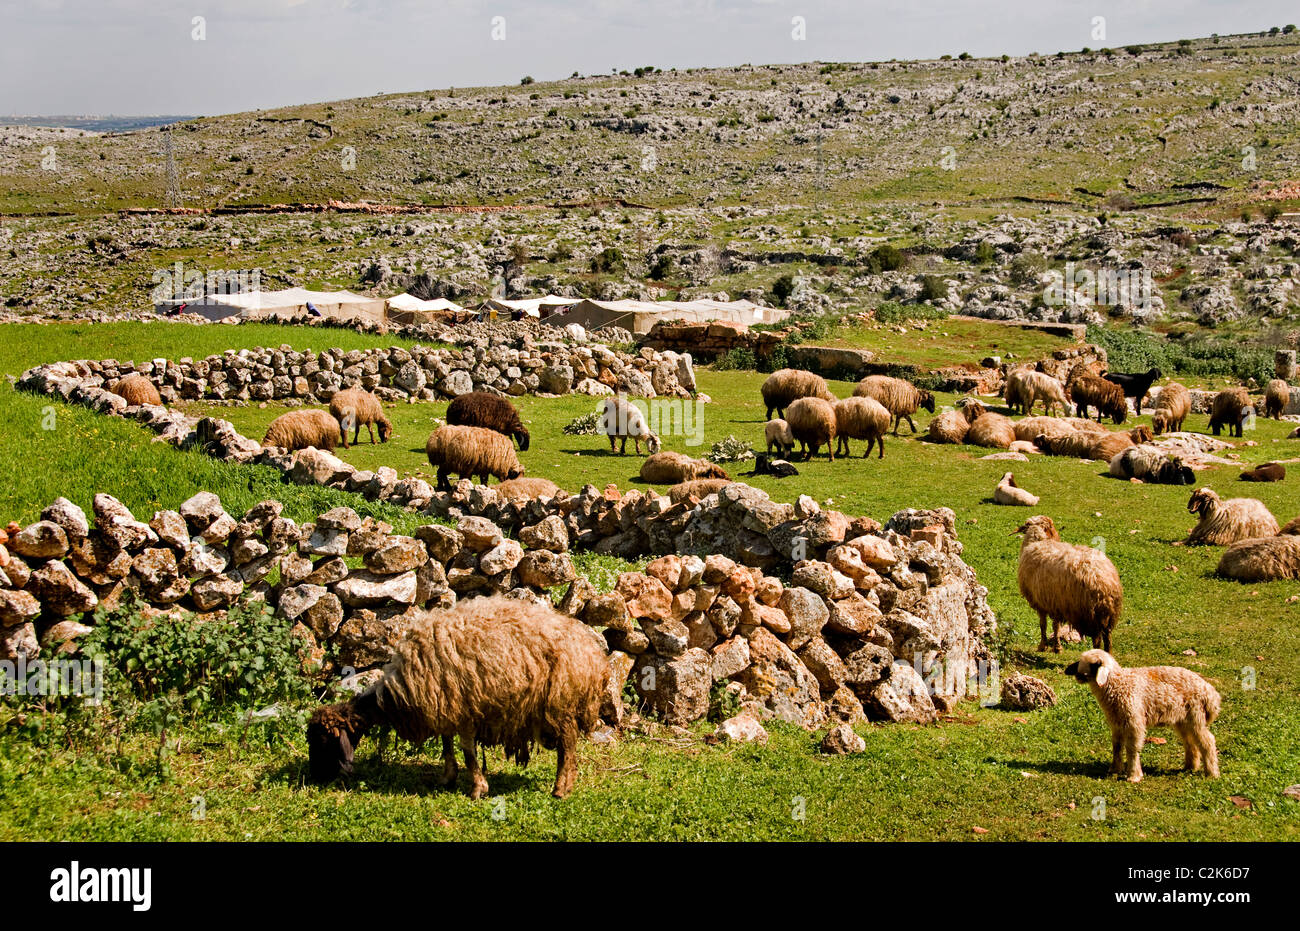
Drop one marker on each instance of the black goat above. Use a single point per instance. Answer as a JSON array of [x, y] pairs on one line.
[[1136, 386]]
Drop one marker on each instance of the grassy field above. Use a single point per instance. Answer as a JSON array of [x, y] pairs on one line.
[[933, 344], [1018, 776]]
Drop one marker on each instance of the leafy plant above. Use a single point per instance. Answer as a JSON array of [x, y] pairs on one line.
[[586, 425], [731, 450]]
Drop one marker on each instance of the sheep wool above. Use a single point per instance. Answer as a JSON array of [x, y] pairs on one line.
[[1074, 585], [1277, 395], [812, 423], [620, 419], [785, 386], [669, 468], [899, 397], [490, 411], [1173, 404], [356, 408], [469, 452], [948, 427], [1151, 464], [993, 431], [1106, 396], [697, 489], [777, 434], [301, 429], [1225, 522], [1263, 559], [860, 418], [136, 389], [521, 490], [1008, 492], [1230, 409]]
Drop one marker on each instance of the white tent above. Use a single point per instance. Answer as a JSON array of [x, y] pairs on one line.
[[291, 302], [411, 303], [541, 307], [641, 316]]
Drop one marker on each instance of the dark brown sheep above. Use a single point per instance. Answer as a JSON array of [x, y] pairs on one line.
[[1231, 409], [1095, 391], [355, 408], [490, 411]]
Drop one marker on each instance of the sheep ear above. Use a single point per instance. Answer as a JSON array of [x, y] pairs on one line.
[[1102, 674]]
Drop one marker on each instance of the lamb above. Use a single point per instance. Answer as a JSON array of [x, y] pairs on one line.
[[1135, 700], [521, 490], [1173, 404], [699, 489], [1277, 395], [1263, 559], [1135, 386], [1075, 585], [777, 433], [1266, 472], [899, 396], [1151, 464], [860, 418], [785, 386], [491, 411], [669, 468], [1232, 409], [1225, 522], [470, 452], [1008, 492], [993, 431], [1094, 391], [496, 671], [356, 408], [812, 423], [136, 389], [619, 418], [764, 464], [301, 429]]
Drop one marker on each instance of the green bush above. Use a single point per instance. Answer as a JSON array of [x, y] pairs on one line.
[[782, 288], [585, 425], [731, 450], [933, 288], [736, 359], [892, 312], [1027, 268], [1137, 351], [607, 262], [985, 253], [886, 259]]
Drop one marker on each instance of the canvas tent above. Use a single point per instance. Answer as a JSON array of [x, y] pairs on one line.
[[640, 316], [256, 305], [541, 307], [406, 309]]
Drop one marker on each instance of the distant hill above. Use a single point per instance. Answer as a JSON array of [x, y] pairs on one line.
[[98, 124]]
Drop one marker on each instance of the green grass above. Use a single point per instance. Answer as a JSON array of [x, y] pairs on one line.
[[933, 344], [1016, 775]]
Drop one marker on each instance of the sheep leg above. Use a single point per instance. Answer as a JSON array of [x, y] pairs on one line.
[[443, 484], [1209, 751], [478, 782], [1191, 748], [1133, 742], [911, 423], [1116, 753], [566, 763], [1042, 631], [370, 428], [449, 768], [1056, 635], [881, 441]]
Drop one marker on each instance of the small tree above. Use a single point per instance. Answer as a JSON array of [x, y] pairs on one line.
[[782, 288], [526, 79]]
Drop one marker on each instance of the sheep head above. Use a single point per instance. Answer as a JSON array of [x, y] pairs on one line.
[[1201, 501], [333, 733], [927, 400], [385, 431], [1093, 667], [1161, 421], [1141, 434], [515, 473], [1038, 528], [521, 437], [652, 441], [714, 471]]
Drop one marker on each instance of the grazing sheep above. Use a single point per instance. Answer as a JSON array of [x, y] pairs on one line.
[[470, 452], [1039, 386], [1267, 472], [860, 418], [777, 433], [619, 418], [1151, 464], [812, 423], [136, 389], [490, 411], [356, 408], [1232, 409], [300, 429], [1135, 386], [785, 386], [1075, 585], [1263, 559], [1135, 700], [1016, 390], [1095, 391], [699, 489], [496, 671], [1225, 522], [1008, 492], [1277, 395], [525, 489], [777, 468], [993, 431], [673, 468], [899, 396], [1173, 404]]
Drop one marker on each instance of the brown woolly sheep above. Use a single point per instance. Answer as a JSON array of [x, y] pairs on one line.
[[1031, 427], [785, 386], [1277, 395], [860, 418], [1263, 559], [699, 489], [670, 468], [1225, 522], [1291, 527], [1039, 386], [136, 389], [1016, 390], [1135, 700], [620, 419], [948, 427], [1075, 585], [812, 423], [525, 489], [494, 671], [993, 431], [777, 433], [471, 452], [1232, 409], [1266, 472], [490, 411], [899, 396], [1173, 404], [356, 408], [1095, 391], [300, 429]]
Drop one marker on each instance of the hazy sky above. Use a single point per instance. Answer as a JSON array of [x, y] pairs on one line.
[[139, 56]]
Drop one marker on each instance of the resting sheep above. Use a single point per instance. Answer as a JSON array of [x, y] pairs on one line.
[[952, 426], [673, 468], [1277, 395], [1135, 386], [860, 418], [619, 418], [1136, 700], [699, 489], [1173, 404], [1263, 559], [899, 396], [1225, 522], [1030, 428], [136, 389], [356, 408], [496, 671], [526, 489], [1075, 585], [785, 386], [764, 464], [1266, 472], [777, 433], [470, 452], [1008, 492], [490, 411], [301, 429], [1094, 391], [1232, 409], [812, 423], [993, 431], [1151, 464]]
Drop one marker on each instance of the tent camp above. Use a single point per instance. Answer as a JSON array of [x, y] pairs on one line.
[[640, 316], [291, 302], [541, 307], [407, 309]]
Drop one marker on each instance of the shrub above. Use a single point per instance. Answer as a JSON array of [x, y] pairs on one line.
[[985, 253], [887, 259], [585, 425], [1137, 351], [892, 312], [782, 288], [608, 261], [736, 359], [731, 450], [1026, 268], [526, 80], [1271, 211], [933, 288]]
